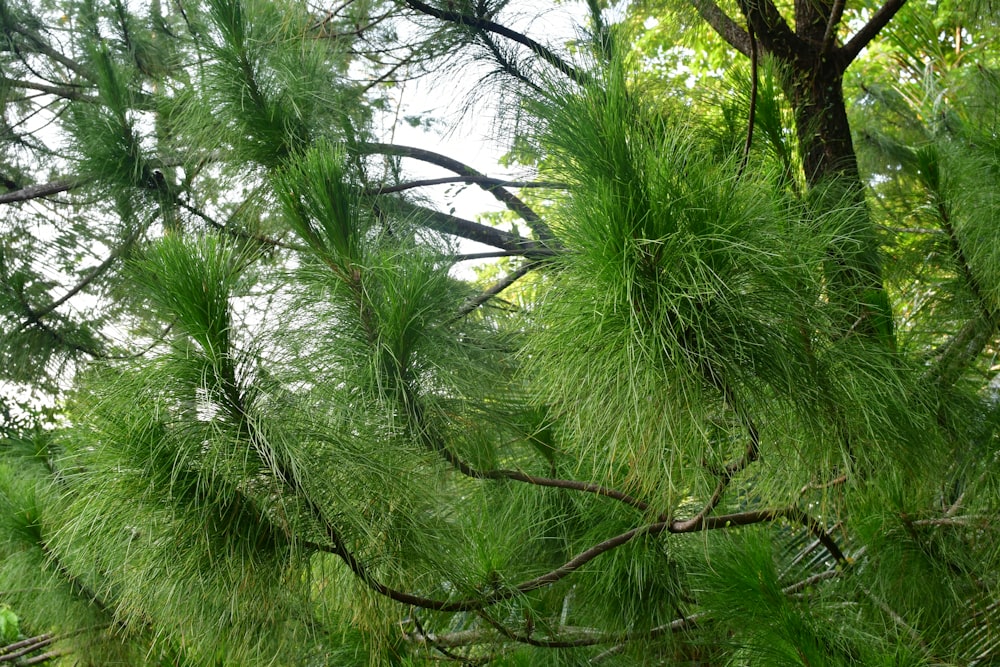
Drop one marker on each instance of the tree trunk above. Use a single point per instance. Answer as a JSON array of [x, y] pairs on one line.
[[814, 87], [816, 91]]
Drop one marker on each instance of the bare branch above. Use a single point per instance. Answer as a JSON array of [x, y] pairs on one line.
[[446, 223], [495, 289], [43, 47], [471, 180], [722, 24], [44, 657], [510, 200], [41, 190], [94, 273], [752, 114], [33, 644], [568, 637], [61, 91], [869, 30], [37, 641], [799, 586]]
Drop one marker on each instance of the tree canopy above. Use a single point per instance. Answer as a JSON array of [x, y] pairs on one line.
[[719, 386]]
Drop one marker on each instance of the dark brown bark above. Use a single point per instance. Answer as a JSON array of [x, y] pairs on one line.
[[815, 87], [812, 72]]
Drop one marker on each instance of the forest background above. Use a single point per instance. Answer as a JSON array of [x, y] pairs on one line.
[[721, 389]]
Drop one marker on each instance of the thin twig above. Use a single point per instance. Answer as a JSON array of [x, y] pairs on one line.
[[752, 114], [543, 52], [94, 273], [495, 289], [471, 180]]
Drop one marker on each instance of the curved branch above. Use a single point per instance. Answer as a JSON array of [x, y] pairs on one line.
[[492, 186], [829, 35], [869, 30], [475, 604], [435, 444], [722, 24], [474, 231], [542, 51], [698, 521]]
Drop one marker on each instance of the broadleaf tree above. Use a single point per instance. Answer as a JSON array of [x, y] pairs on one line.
[[724, 393]]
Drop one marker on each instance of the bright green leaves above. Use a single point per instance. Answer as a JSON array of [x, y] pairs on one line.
[[108, 141], [192, 281], [9, 626], [320, 206], [270, 92], [775, 619], [192, 487], [680, 287]]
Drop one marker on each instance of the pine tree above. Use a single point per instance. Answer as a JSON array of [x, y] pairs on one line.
[[728, 394]]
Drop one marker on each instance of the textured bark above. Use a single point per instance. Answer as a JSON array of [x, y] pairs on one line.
[[812, 71]]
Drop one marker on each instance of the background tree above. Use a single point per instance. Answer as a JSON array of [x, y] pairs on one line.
[[728, 401]]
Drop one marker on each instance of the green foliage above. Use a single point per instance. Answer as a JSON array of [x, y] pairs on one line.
[[725, 413]]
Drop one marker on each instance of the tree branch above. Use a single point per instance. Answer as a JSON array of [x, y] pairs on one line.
[[752, 114], [446, 223], [45, 48], [836, 14], [792, 513], [44, 657], [722, 24], [542, 51], [60, 91], [491, 186], [16, 651], [37, 641], [725, 477], [868, 31], [471, 180], [578, 561], [435, 444], [562, 641], [507, 66], [495, 289], [772, 30], [569, 637], [94, 273], [963, 348], [41, 190]]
